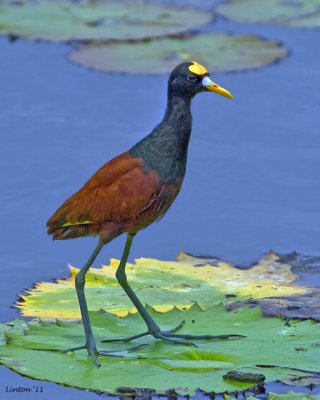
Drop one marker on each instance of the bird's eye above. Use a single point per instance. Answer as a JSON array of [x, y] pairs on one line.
[[191, 78]]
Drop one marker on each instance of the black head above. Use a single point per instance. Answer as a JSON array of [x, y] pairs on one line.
[[190, 78]]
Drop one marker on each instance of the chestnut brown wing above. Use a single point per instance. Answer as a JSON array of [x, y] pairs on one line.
[[118, 192]]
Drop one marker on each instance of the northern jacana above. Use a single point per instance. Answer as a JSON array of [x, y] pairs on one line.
[[133, 190]]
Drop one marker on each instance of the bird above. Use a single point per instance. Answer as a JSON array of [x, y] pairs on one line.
[[133, 190]]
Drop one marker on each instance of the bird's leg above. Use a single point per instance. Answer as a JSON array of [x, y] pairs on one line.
[[122, 279], [153, 328], [80, 280], [90, 344]]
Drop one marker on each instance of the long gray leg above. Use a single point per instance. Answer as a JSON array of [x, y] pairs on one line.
[[122, 279], [80, 280], [153, 328]]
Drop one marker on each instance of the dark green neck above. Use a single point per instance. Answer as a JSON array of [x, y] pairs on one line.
[[165, 149]]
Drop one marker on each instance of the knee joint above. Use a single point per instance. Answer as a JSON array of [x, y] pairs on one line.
[[79, 279], [121, 275]]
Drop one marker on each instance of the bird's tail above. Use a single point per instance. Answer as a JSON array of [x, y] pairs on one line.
[[70, 232]]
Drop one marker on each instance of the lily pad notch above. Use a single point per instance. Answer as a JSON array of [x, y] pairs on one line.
[[163, 284]]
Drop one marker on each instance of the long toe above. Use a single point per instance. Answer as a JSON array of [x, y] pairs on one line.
[[122, 353], [127, 339], [71, 349], [91, 351], [201, 337], [175, 329], [168, 338]]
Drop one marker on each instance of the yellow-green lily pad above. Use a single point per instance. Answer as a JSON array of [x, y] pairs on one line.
[[294, 13], [164, 284], [269, 349], [67, 20], [217, 51]]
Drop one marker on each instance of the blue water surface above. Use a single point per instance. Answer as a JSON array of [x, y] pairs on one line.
[[253, 171]]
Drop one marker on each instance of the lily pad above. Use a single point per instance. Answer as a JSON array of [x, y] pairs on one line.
[[66, 20], [294, 13], [217, 51], [152, 365], [164, 284], [289, 396], [302, 307]]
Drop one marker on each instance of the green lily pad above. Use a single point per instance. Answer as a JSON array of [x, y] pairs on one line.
[[294, 13], [290, 396], [164, 284], [152, 365], [66, 20], [217, 51]]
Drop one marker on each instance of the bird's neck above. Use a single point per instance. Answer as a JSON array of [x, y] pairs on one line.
[[178, 116], [165, 149]]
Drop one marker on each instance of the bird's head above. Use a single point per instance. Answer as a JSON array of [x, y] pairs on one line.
[[190, 78]]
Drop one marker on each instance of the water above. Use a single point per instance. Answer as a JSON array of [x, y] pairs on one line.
[[252, 181]]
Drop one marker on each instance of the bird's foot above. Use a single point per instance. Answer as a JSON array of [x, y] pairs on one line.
[[94, 353], [171, 336]]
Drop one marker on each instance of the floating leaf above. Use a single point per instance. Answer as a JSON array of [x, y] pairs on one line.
[[270, 349], [217, 51], [302, 307], [288, 396], [100, 19], [293, 396], [163, 284], [309, 381], [294, 13]]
